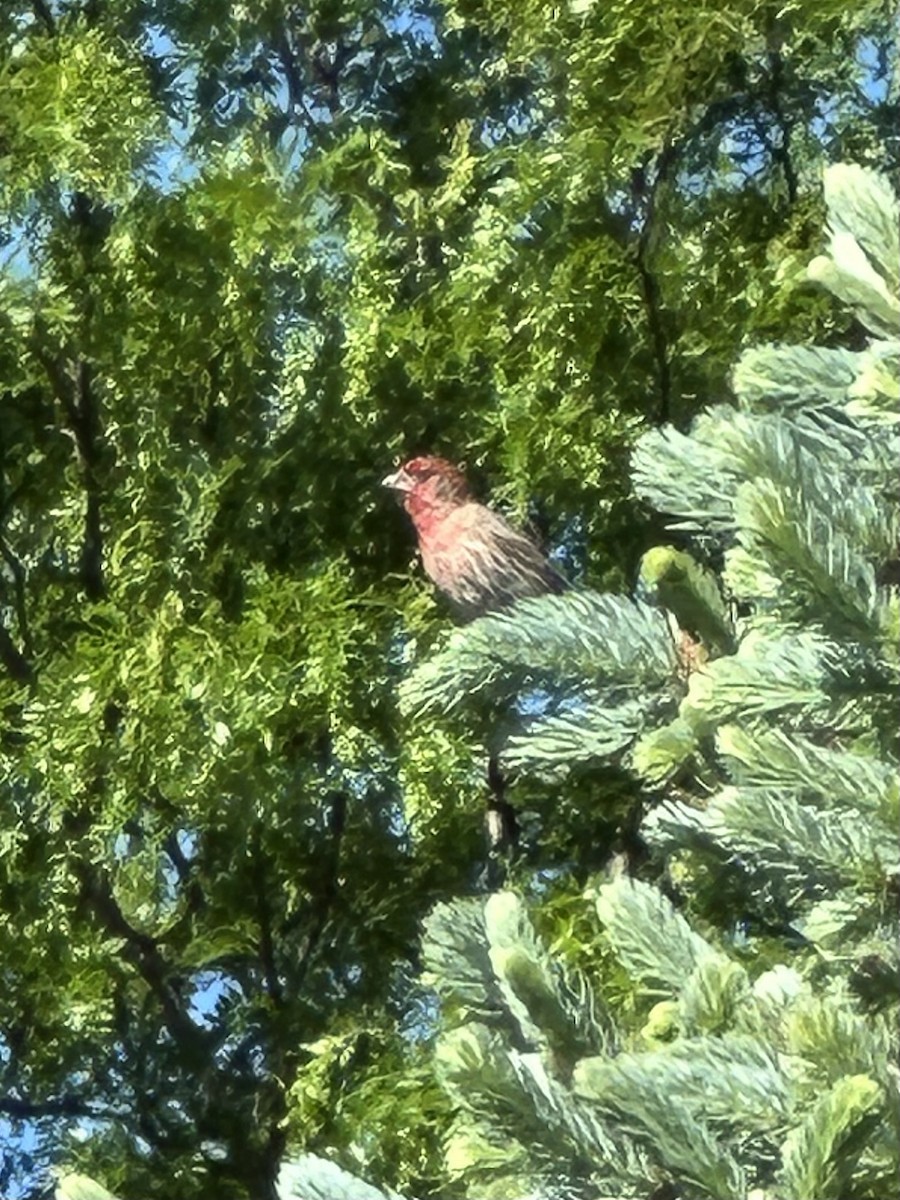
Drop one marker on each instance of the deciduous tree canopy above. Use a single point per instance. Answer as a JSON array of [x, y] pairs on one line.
[[251, 254]]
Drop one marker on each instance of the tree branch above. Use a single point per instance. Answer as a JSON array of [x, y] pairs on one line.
[[186, 874], [328, 73], [63, 1106], [143, 952], [44, 15], [16, 662], [74, 391], [18, 573], [13, 660], [337, 817], [87, 432], [296, 91], [647, 196], [264, 921], [501, 825], [781, 152]]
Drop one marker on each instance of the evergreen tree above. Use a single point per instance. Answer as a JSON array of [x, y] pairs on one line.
[[745, 1044]]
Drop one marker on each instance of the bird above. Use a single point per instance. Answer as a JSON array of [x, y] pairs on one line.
[[472, 554]]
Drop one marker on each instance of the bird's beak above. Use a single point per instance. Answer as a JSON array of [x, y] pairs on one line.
[[400, 481]]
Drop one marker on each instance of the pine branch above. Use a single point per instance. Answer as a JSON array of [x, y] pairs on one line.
[[809, 534], [686, 475], [558, 1002], [79, 1187], [713, 997], [654, 943], [828, 1029], [673, 580], [615, 1158], [792, 553], [847, 272], [511, 1098], [853, 781], [553, 745], [838, 920], [672, 1096], [310, 1177], [860, 384], [457, 960], [695, 476], [775, 833], [485, 961], [862, 453], [576, 638], [660, 753], [733, 1079], [862, 205], [818, 1156], [768, 674]]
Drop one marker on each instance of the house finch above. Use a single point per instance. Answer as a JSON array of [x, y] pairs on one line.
[[472, 554]]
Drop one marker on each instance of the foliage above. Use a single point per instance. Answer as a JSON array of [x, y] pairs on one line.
[[801, 507], [249, 254], [764, 1062], [730, 1079]]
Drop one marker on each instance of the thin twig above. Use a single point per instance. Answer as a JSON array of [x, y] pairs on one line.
[[62, 1106]]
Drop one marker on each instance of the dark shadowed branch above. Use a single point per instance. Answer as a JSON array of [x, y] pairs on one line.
[[646, 185], [781, 149], [143, 952], [44, 15], [323, 902], [73, 388], [60, 1106], [500, 823], [261, 885]]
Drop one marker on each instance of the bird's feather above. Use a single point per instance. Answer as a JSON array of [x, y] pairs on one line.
[[473, 555]]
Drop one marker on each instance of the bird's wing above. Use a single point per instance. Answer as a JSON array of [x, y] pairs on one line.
[[483, 563]]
